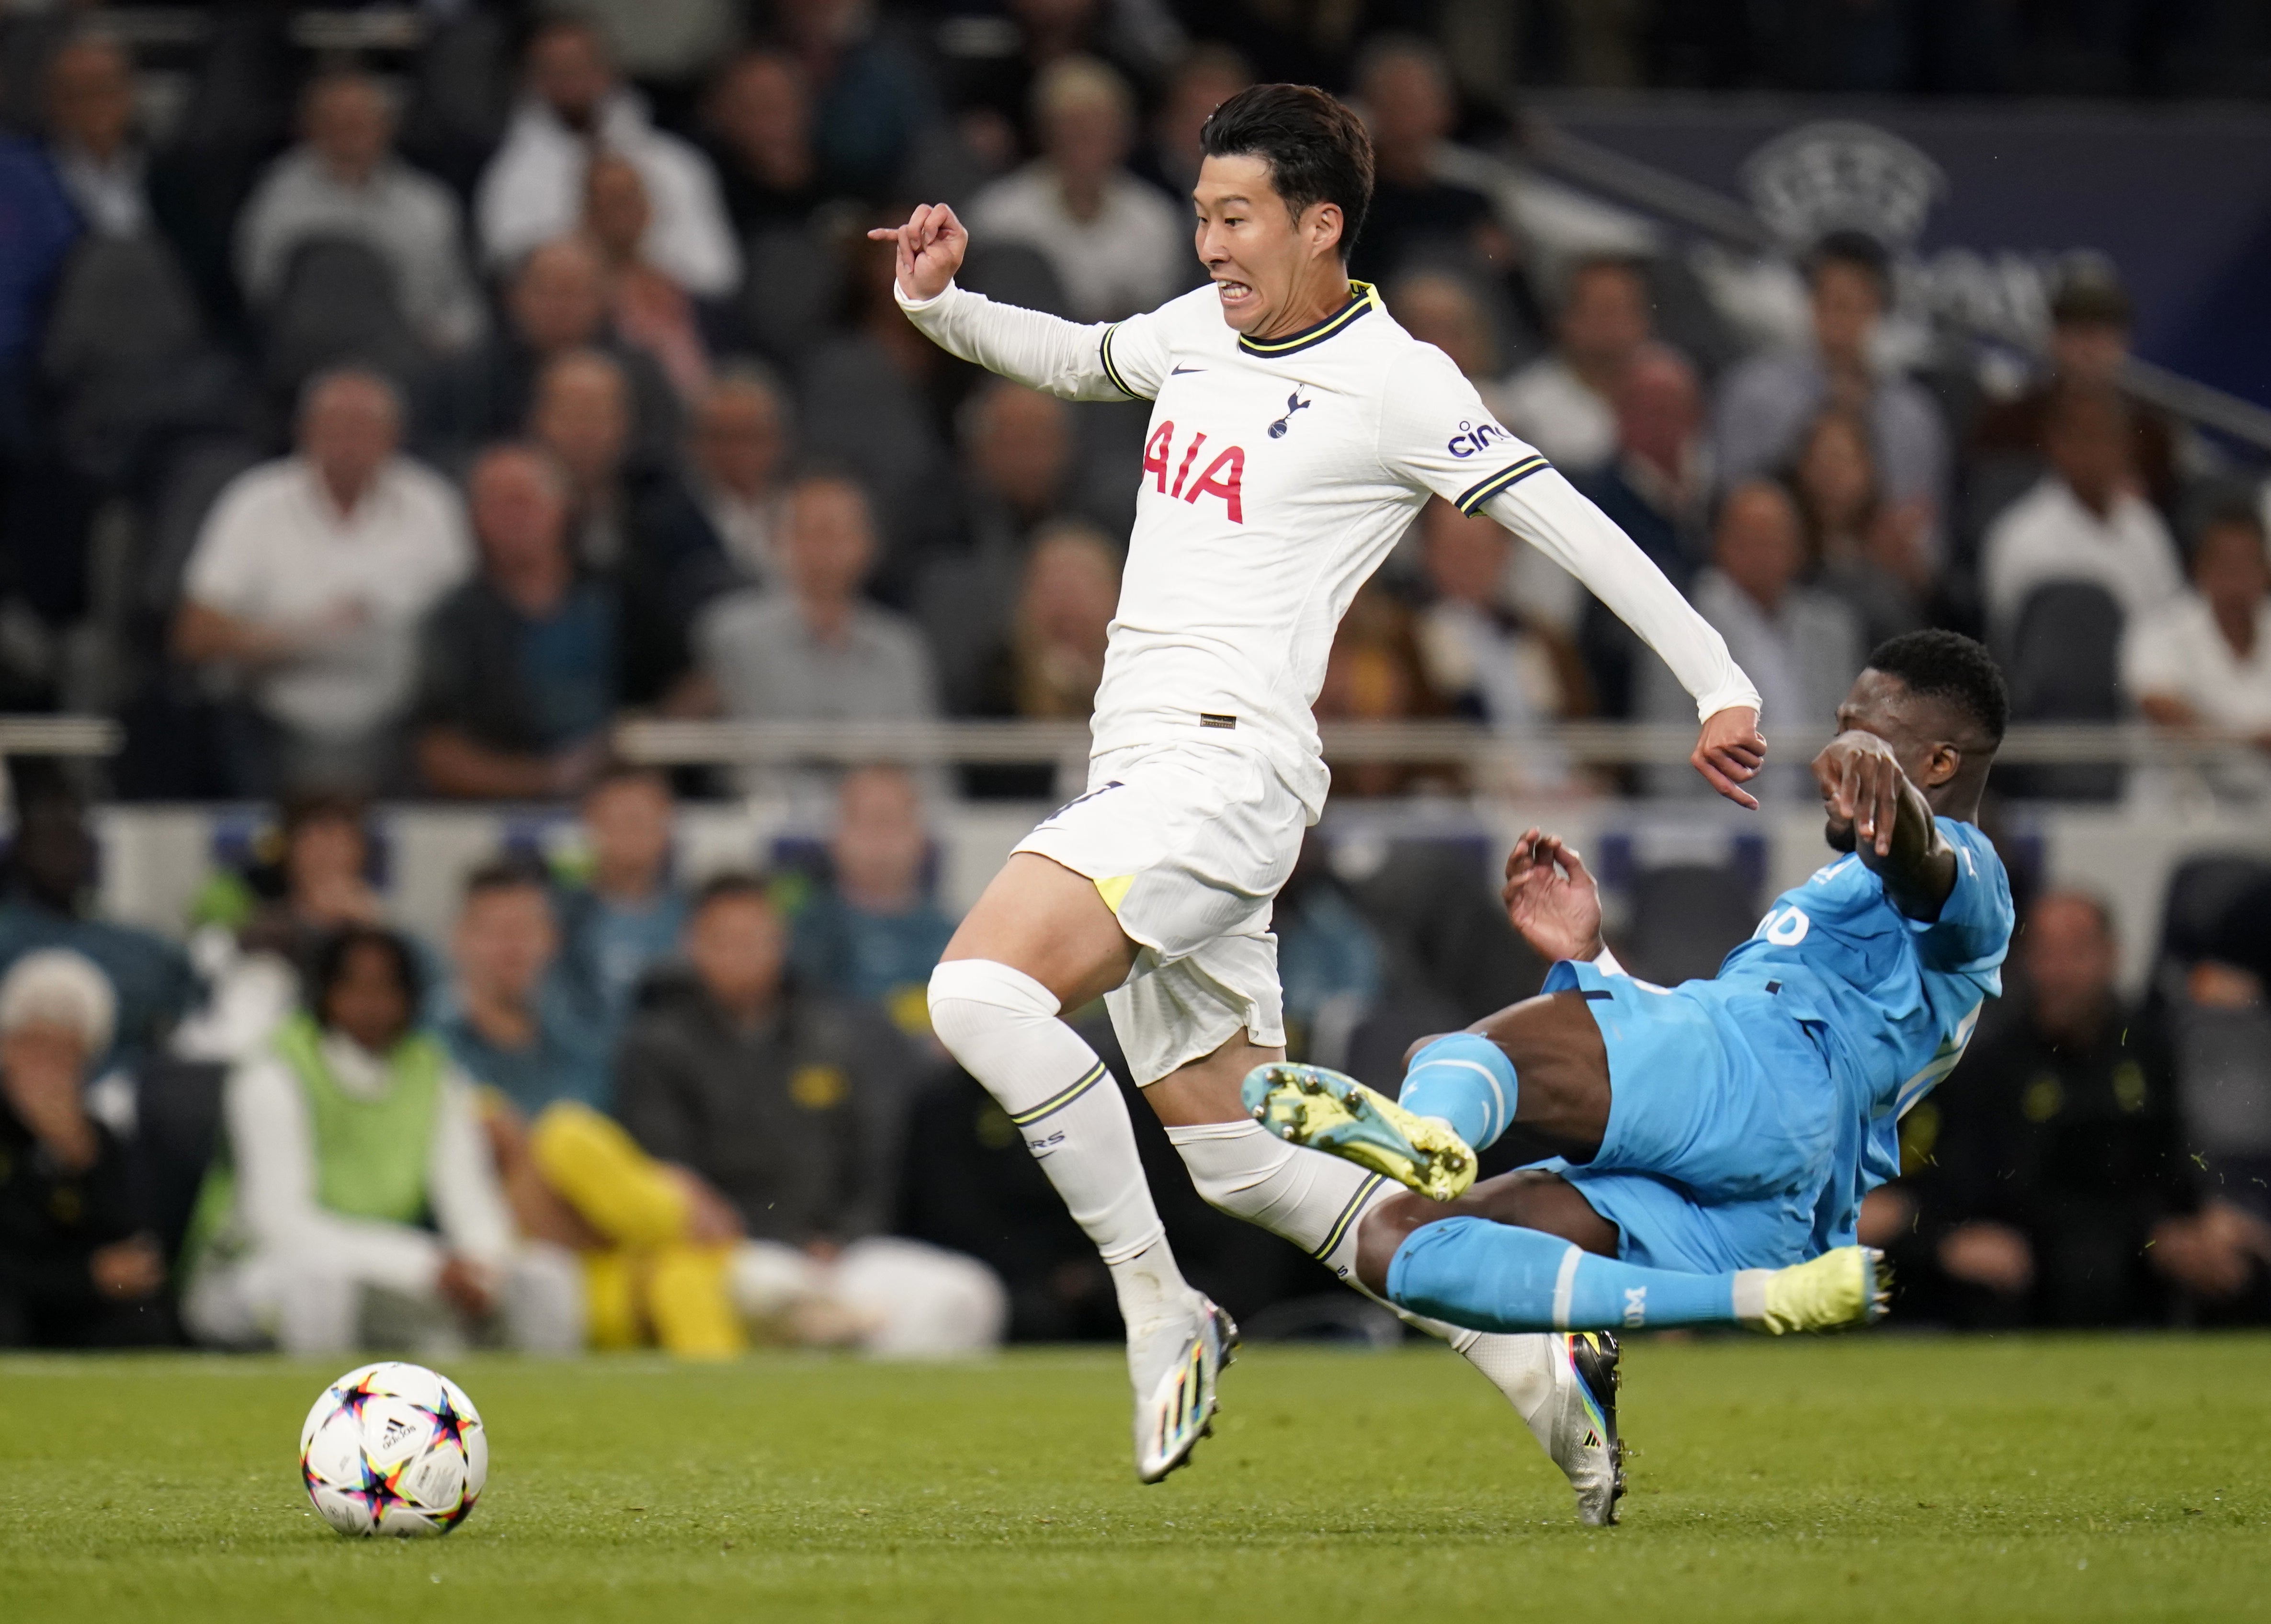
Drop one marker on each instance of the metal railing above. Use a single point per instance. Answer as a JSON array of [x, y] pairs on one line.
[[944, 743]]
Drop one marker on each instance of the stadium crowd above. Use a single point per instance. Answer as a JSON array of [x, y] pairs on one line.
[[393, 422]]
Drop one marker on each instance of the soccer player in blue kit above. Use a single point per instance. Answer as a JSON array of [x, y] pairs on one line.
[[1703, 1149]]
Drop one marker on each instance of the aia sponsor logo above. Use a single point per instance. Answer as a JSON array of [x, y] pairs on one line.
[[1222, 475]]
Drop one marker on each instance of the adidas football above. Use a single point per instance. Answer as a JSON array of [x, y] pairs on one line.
[[394, 1448]]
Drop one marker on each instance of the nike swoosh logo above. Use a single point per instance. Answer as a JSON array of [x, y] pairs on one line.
[[1178, 371]]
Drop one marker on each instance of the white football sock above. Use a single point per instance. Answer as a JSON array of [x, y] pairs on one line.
[[1317, 1202], [1002, 1025]]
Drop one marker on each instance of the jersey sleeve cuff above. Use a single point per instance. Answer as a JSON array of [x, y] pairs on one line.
[[1726, 697], [915, 307]]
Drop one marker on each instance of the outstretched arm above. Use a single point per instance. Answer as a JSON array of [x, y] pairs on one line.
[[1040, 351], [1547, 511], [1889, 820]]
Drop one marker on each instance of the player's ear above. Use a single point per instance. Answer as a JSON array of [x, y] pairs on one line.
[[1324, 223], [1943, 763]]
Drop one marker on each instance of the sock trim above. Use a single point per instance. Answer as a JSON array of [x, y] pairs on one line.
[[1059, 1101], [1348, 1215], [1498, 1120], [1565, 1285]]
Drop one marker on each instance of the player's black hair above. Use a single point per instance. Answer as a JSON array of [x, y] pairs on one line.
[[331, 965], [1317, 150], [1946, 664], [1858, 250]]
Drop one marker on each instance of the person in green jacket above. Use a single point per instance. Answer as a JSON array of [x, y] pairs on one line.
[[355, 1200]]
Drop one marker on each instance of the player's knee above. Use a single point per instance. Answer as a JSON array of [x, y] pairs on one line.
[[1386, 1228], [974, 999]]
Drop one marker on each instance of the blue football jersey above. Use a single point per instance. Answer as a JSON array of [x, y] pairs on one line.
[[1892, 1000]]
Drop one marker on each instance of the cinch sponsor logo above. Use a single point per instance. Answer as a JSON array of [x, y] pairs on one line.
[[1473, 437]]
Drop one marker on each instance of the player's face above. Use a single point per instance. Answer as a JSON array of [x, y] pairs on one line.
[[1882, 705], [1258, 253]]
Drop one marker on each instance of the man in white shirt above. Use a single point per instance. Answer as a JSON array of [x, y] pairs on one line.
[[310, 578], [344, 1136], [2204, 658], [1115, 244], [533, 190], [2084, 521], [1802, 647], [346, 182], [1565, 403], [1295, 430]]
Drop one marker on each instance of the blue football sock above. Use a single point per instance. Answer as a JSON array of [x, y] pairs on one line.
[[1465, 1080], [1494, 1277]]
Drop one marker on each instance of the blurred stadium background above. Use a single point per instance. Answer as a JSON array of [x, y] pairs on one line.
[[1859, 316]]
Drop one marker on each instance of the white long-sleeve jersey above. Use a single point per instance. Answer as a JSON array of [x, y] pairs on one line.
[[1276, 476]]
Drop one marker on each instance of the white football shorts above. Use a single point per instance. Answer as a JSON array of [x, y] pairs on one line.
[[1188, 843]]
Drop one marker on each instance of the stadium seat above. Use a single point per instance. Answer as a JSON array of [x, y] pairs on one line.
[[2063, 665], [1686, 916]]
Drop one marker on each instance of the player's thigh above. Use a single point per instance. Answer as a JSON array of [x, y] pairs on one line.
[[1208, 1089], [1560, 1068], [1041, 917], [1193, 1027]]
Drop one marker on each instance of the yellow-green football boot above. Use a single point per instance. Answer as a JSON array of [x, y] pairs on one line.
[[1848, 1286], [1311, 1106]]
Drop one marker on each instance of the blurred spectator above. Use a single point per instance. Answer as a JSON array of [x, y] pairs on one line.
[[815, 650], [1205, 78], [1405, 89], [871, 97], [874, 932], [1766, 404], [1375, 673], [651, 311], [1115, 244], [627, 916], [517, 670], [2058, 1191], [79, 1266], [2089, 341], [1438, 307], [791, 1106], [1801, 647], [630, 525], [346, 182], [102, 165], [40, 230], [1565, 403], [1050, 661], [760, 123], [1482, 654], [741, 442], [343, 1143], [556, 303], [991, 80], [1015, 475], [656, 1243], [255, 929], [1868, 553], [49, 896], [511, 1022], [1330, 959], [2083, 522], [1657, 491], [872, 398], [573, 108], [2204, 658], [309, 580]]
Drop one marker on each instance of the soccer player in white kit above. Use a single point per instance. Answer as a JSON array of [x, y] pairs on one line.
[[1296, 429]]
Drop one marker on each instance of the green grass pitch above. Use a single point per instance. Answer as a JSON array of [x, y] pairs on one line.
[[1870, 1477]]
